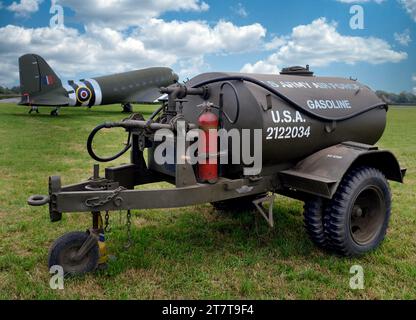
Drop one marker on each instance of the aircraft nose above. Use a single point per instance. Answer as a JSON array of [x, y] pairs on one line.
[[175, 76]]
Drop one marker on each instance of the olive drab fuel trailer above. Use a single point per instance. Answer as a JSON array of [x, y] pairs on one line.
[[317, 137]]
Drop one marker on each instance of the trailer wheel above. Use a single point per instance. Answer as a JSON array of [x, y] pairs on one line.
[[359, 213], [313, 218], [63, 250], [239, 204]]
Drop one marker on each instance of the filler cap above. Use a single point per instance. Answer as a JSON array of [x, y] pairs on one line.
[[297, 71]]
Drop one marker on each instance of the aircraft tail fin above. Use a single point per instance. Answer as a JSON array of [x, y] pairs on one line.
[[38, 81]]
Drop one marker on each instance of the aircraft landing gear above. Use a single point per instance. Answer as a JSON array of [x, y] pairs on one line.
[[127, 108], [33, 108], [55, 112]]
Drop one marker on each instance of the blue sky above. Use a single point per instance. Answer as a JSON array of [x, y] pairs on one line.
[[200, 36]]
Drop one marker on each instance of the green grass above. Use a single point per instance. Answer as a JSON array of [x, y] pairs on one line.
[[183, 253]]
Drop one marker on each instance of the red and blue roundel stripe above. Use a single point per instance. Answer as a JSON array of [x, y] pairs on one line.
[[48, 80]]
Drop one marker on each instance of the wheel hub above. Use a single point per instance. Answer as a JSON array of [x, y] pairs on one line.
[[367, 215], [70, 260]]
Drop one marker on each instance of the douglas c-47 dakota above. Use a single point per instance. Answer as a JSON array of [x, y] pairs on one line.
[[40, 86]]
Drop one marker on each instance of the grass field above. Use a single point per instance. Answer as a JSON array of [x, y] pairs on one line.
[[184, 253]]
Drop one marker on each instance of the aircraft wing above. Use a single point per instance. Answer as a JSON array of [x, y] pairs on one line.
[[145, 96]]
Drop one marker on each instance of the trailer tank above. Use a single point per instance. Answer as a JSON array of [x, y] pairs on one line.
[[298, 115]]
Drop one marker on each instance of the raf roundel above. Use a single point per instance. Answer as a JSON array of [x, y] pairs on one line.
[[83, 94]]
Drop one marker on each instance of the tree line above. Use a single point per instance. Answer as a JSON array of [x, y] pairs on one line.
[[394, 98], [13, 90]]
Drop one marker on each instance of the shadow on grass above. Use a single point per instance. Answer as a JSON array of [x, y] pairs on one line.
[[209, 239]]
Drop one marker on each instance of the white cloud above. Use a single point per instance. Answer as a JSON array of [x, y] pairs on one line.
[[24, 7], [126, 13], [193, 38], [266, 67], [107, 47], [320, 44], [410, 7], [104, 50], [99, 51], [403, 38], [240, 10], [191, 41], [192, 66], [275, 43], [414, 78]]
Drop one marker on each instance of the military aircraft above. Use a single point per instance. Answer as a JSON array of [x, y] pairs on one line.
[[40, 86]]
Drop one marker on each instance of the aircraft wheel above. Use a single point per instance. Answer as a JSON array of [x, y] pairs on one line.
[[313, 220], [63, 252], [127, 108], [359, 212], [54, 113]]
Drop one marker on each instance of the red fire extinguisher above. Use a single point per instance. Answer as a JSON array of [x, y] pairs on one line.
[[208, 145]]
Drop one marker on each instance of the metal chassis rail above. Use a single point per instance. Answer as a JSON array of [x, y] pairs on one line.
[[119, 199], [117, 190]]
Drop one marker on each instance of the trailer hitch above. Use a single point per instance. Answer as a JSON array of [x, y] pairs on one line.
[[38, 200]]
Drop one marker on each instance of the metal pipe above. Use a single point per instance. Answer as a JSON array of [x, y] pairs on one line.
[[140, 124], [181, 91]]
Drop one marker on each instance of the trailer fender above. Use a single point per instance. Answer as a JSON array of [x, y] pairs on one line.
[[320, 173]]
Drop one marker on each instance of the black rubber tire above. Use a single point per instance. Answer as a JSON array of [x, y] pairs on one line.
[[313, 220], [338, 223], [69, 242], [243, 204], [127, 108]]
